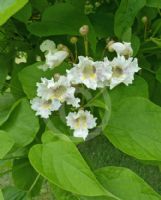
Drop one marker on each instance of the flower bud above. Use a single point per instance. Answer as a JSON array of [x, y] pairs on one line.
[[60, 46], [73, 40], [109, 47], [144, 19], [84, 30]]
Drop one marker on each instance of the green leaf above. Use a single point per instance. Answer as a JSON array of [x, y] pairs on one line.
[[6, 144], [7, 104], [1, 195], [4, 65], [125, 184], [154, 3], [135, 41], [39, 5], [24, 176], [135, 128], [60, 194], [24, 14], [12, 193], [59, 160], [55, 24], [139, 88], [158, 74], [22, 124], [125, 16], [103, 23], [9, 8]]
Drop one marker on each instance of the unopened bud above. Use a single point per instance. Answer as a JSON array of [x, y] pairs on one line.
[[144, 19], [109, 46], [73, 40], [84, 30], [60, 46]]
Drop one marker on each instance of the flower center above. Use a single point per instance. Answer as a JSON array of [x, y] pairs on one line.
[[89, 72], [46, 104], [81, 122], [117, 71], [59, 92]]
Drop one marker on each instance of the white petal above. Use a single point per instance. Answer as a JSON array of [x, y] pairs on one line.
[[48, 45], [56, 58], [82, 133]]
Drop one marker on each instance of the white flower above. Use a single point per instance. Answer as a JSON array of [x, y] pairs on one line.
[[53, 56], [21, 57], [104, 72], [44, 108], [88, 72], [60, 90], [123, 70], [122, 49], [54, 59], [80, 122], [48, 45]]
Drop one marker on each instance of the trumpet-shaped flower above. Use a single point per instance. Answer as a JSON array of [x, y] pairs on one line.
[[122, 49], [53, 56], [60, 90], [89, 73], [80, 122], [123, 70], [44, 108]]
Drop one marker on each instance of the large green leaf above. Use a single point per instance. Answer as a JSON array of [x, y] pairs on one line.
[[154, 3], [24, 14], [62, 164], [6, 144], [7, 104], [9, 8], [126, 184], [135, 128], [138, 88], [22, 124], [20, 173], [122, 182], [58, 20], [125, 16]]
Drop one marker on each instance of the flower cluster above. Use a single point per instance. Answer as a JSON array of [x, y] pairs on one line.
[[93, 74]]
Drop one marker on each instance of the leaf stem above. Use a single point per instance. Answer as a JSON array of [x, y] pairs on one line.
[[34, 183]]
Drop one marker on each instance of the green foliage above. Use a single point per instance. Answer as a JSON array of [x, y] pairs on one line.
[[6, 144], [57, 24], [135, 128], [125, 184], [129, 121], [22, 124], [125, 16], [58, 160], [10, 7]]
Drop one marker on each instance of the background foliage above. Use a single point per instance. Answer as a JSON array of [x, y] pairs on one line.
[[34, 151]]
